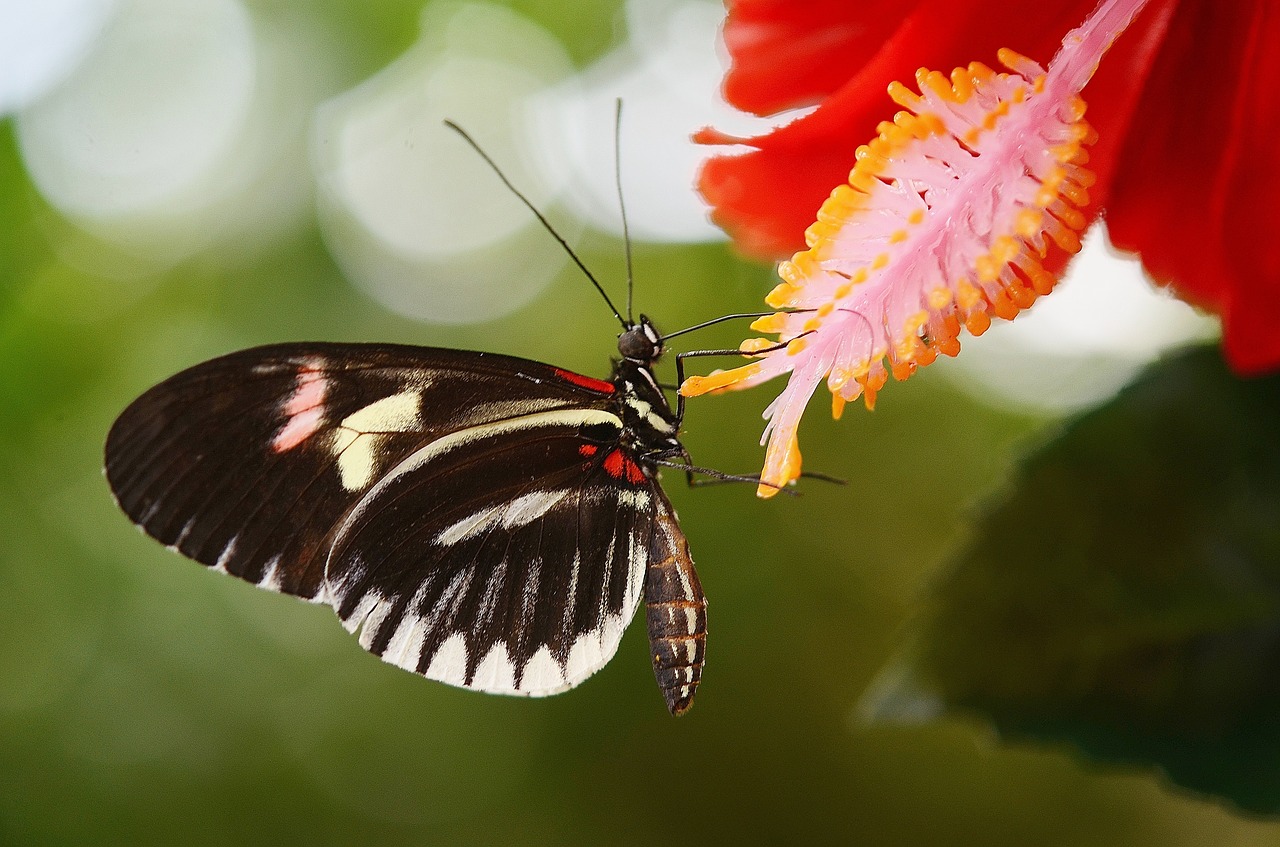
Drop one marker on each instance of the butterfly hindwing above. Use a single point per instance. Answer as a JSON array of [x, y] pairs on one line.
[[248, 461], [508, 558]]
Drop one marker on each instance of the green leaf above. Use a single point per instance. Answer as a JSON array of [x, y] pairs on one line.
[[1123, 596]]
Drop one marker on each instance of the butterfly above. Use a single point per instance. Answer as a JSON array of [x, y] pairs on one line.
[[485, 521]]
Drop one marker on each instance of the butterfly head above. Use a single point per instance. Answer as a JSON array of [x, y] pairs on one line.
[[641, 343]]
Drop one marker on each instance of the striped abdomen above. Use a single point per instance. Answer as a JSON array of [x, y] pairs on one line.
[[676, 610]]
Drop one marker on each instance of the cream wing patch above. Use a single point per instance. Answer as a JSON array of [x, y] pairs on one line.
[[357, 438], [522, 510]]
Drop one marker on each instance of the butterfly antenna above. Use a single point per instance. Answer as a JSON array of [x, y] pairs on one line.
[[735, 316], [543, 220], [622, 206]]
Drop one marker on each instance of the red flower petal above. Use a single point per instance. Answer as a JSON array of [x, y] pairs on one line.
[[788, 54], [1196, 186], [765, 199]]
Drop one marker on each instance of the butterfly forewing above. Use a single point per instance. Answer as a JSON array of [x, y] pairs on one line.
[[246, 462]]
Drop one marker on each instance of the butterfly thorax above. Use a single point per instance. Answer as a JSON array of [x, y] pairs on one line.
[[650, 425]]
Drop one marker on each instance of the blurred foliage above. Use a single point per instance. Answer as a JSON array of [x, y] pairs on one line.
[[1124, 596], [144, 700]]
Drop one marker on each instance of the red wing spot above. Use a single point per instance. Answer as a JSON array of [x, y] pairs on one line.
[[585, 381], [617, 466], [613, 464], [588, 450], [635, 475]]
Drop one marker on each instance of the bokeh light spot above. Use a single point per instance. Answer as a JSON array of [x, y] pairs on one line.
[[668, 80], [153, 108], [40, 43], [410, 212]]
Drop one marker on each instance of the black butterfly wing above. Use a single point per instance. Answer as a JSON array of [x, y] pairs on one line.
[[506, 558], [247, 462]]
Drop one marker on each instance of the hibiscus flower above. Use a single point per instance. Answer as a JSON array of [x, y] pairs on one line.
[[1186, 108]]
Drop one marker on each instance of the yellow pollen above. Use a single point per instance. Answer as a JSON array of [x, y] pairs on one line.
[[1013, 60], [812, 324], [1027, 223], [769, 323], [862, 179], [938, 84], [815, 233], [781, 470], [752, 346], [695, 386], [894, 135], [878, 262], [1071, 217], [968, 295], [987, 267], [1065, 238], [912, 125], [980, 73], [1041, 280], [826, 309], [1054, 177], [916, 217], [1004, 249], [1075, 193], [905, 97], [843, 290], [905, 350], [940, 298], [933, 123], [898, 236], [796, 345], [837, 406], [788, 271], [780, 296]]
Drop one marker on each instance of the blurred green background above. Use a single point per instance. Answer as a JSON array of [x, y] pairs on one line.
[[144, 700]]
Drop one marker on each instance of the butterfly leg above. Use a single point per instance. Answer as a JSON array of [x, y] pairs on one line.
[[691, 354]]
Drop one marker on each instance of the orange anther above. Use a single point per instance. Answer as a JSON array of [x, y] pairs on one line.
[[977, 323]]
